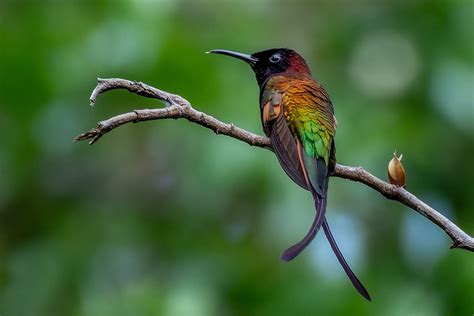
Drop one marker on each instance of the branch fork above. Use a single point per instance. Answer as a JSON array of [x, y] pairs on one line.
[[178, 107]]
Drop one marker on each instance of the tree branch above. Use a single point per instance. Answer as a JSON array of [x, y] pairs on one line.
[[178, 107]]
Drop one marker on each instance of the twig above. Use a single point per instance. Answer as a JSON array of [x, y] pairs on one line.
[[178, 107]]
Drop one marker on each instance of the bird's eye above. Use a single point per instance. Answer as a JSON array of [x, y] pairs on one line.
[[275, 58]]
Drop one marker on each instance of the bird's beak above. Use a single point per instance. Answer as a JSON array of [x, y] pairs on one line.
[[249, 59]]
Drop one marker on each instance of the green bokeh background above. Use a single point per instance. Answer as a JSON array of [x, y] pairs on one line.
[[166, 218]]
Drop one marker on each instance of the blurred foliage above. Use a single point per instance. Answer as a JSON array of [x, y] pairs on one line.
[[166, 218]]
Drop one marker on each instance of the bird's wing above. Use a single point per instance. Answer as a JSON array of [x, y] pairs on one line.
[[276, 127]]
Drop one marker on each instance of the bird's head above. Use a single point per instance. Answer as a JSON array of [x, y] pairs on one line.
[[270, 62]]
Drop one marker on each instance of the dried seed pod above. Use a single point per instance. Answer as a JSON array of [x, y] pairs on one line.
[[396, 172]]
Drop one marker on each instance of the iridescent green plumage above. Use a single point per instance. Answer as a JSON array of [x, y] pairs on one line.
[[310, 117]]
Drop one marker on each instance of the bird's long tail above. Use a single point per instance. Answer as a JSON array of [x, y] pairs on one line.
[[296, 249]]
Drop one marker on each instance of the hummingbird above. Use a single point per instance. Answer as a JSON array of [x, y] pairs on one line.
[[298, 117]]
